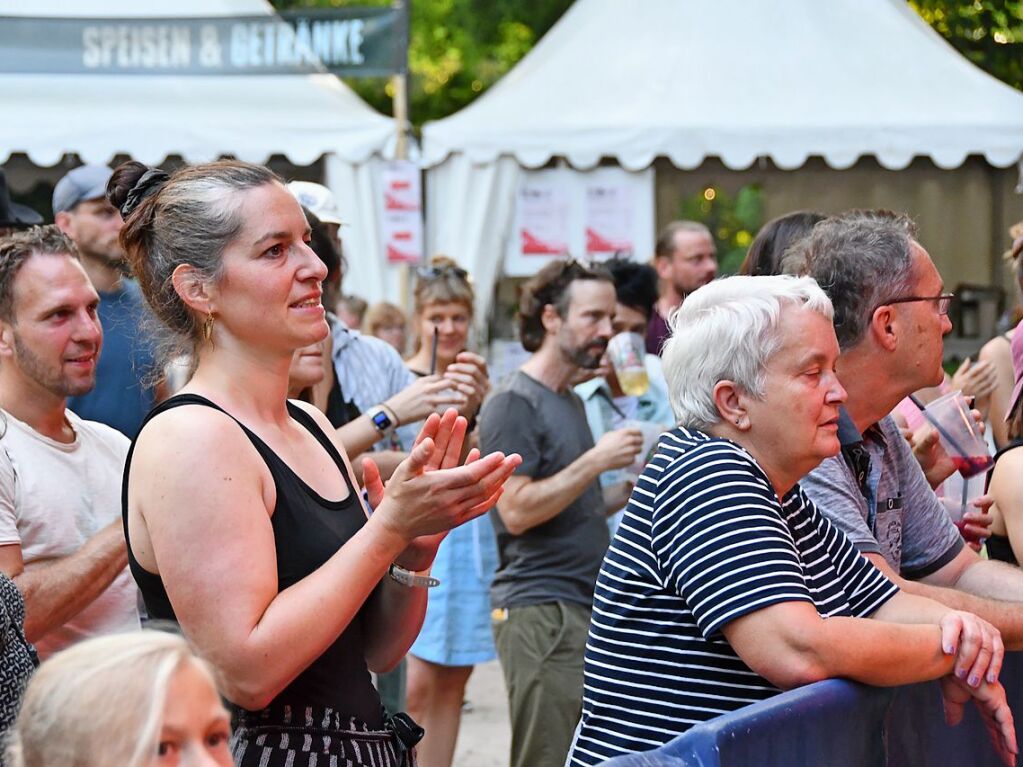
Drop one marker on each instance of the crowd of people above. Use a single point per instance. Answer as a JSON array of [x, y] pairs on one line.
[[247, 519]]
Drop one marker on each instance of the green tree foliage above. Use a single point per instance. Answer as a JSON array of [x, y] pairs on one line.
[[457, 49], [733, 221], [987, 32]]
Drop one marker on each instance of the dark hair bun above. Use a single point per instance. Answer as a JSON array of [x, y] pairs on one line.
[[126, 176]]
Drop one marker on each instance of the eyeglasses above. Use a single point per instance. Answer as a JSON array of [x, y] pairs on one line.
[[432, 272], [944, 301]]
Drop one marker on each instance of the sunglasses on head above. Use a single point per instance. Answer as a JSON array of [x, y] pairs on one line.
[[433, 272]]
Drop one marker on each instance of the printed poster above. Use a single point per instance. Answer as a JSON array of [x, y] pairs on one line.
[[543, 226], [609, 219], [402, 217]]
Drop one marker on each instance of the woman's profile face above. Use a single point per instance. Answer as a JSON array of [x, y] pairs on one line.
[[268, 295], [797, 420], [196, 728], [452, 320]]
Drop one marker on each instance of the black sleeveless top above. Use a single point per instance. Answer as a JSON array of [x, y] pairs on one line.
[[998, 546], [308, 530]]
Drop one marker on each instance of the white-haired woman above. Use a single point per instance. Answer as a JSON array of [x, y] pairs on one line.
[[139, 699], [723, 568]]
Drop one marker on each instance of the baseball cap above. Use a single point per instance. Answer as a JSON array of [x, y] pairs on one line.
[[86, 182], [318, 199], [1017, 366]]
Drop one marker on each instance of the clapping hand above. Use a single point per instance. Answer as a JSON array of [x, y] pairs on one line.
[[430, 492]]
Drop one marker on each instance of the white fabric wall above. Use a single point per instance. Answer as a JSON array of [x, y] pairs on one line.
[[357, 189], [469, 211]]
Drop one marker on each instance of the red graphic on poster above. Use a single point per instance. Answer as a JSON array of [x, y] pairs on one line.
[[534, 246]]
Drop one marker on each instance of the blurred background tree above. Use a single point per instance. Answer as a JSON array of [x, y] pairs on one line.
[[987, 32], [457, 49]]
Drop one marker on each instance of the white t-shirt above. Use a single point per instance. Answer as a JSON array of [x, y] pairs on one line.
[[53, 498]]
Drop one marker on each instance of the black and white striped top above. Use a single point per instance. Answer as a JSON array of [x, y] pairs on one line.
[[703, 541]]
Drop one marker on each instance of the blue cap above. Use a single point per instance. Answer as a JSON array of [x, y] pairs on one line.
[[87, 182]]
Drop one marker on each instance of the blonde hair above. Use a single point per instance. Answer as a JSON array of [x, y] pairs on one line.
[[100, 702], [382, 314]]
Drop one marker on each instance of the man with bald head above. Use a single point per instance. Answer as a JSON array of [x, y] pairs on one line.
[[685, 258]]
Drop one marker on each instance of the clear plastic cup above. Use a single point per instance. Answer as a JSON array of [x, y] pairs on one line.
[[627, 352], [960, 435]]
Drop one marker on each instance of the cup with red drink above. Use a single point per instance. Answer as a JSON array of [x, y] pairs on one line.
[[959, 433]]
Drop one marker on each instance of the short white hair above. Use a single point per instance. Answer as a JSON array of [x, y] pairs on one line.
[[727, 330]]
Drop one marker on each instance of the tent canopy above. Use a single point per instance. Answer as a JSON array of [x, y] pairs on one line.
[[738, 79], [197, 117]]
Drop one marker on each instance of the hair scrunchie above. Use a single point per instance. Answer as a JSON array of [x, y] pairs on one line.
[[149, 183]]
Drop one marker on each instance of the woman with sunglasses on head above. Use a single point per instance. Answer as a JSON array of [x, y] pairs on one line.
[[242, 518], [456, 632]]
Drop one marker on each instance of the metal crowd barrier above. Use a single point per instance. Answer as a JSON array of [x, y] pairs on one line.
[[840, 724]]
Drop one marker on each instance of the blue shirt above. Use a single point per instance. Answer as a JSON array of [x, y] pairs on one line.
[[121, 398]]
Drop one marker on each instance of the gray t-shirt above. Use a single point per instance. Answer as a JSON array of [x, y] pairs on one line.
[[556, 561], [897, 513]]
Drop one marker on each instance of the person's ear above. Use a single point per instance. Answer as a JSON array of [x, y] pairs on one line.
[[731, 404], [550, 319], [885, 327], [662, 265], [66, 223], [6, 339], [193, 289]]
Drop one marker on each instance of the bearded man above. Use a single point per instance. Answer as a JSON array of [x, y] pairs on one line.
[[551, 520], [124, 392], [61, 538]]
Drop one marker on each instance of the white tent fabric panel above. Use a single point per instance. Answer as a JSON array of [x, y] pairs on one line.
[[469, 212], [197, 117], [738, 79]]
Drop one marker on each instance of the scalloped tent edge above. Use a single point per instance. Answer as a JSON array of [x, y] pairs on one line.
[[681, 79]]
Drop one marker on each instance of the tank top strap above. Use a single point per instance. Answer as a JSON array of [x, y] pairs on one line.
[[301, 415]]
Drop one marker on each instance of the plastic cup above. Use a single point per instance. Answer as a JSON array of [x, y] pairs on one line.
[[627, 352], [651, 431], [959, 434]]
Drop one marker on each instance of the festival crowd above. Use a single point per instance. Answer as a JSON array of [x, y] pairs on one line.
[[246, 519]]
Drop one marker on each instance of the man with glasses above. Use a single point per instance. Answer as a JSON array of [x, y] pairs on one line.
[[891, 313]]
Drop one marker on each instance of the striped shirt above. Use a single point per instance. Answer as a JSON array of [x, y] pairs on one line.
[[704, 540]]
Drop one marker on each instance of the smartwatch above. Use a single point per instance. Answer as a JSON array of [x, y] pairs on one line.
[[381, 420]]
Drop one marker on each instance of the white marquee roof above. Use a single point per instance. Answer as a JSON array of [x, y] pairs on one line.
[[738, 79], [197, 117]]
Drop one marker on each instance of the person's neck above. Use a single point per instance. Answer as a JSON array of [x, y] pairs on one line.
[[670, 300], [549, 366], [871, 393], [251, 383], [33, 405], [781, 476], [105, 277]]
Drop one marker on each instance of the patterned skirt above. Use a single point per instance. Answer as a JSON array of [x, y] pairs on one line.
[[287, 736]]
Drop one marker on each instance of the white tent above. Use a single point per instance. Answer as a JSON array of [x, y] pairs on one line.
[[732, 79], [201, 118]]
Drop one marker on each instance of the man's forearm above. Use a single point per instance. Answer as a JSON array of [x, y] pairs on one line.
[[991, 604], [56, 591], [541, 500]]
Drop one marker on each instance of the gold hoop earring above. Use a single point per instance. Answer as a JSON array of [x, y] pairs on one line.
[[207, 329]]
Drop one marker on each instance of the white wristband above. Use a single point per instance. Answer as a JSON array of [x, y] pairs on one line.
[[411, 579]]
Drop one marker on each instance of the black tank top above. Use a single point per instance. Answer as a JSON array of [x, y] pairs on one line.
[[998, 546], [308, 530]]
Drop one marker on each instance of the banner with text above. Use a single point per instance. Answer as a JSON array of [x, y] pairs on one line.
[[346, 41]]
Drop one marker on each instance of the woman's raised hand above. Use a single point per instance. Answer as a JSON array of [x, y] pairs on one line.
[[430, 493]]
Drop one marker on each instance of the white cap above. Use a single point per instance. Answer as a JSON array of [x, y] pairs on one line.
[[318, 199]]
